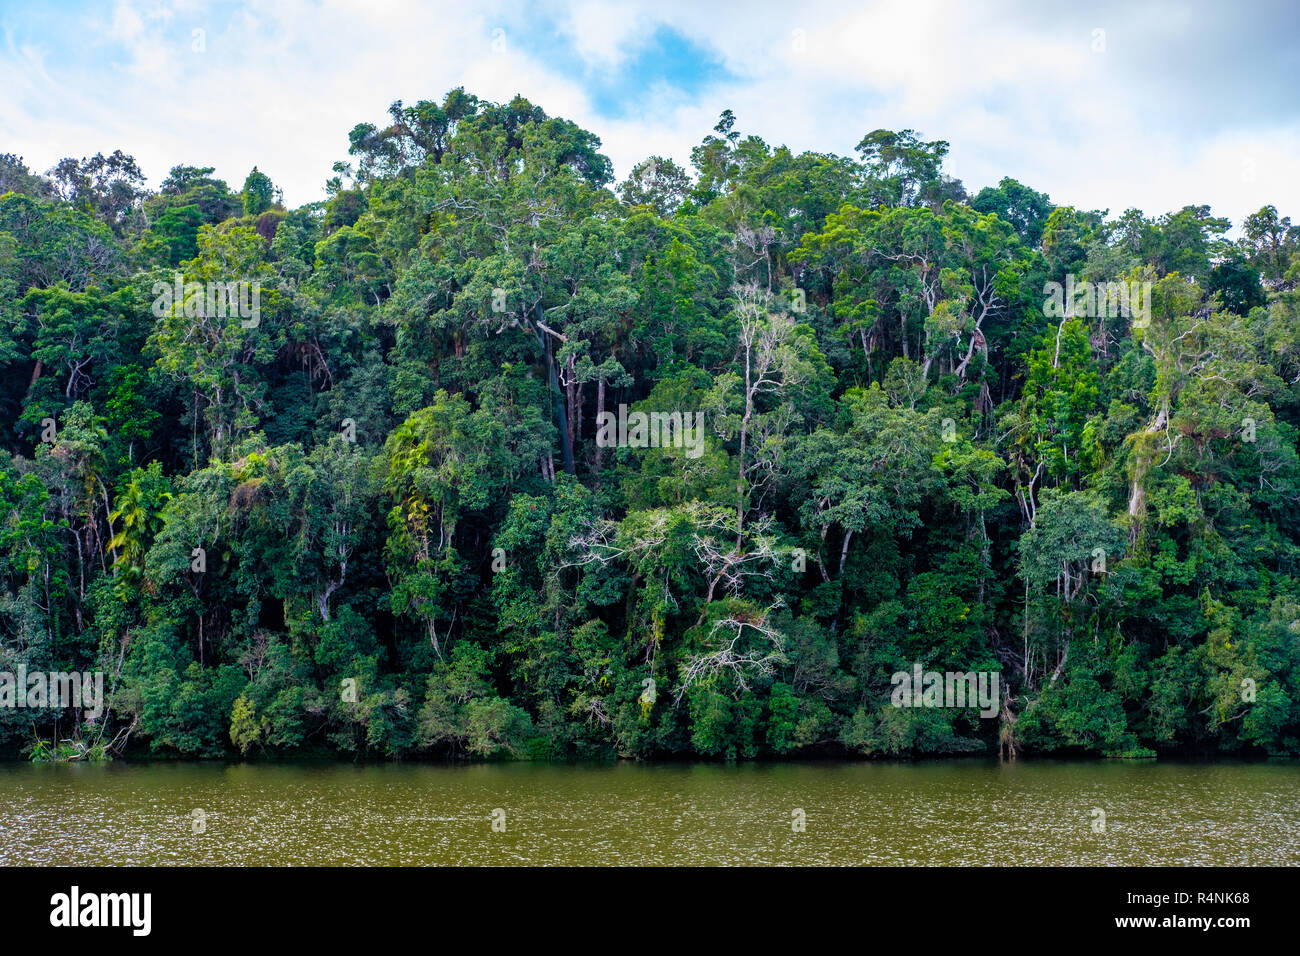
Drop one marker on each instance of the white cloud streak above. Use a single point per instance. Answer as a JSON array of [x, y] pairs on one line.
[[280, 85]]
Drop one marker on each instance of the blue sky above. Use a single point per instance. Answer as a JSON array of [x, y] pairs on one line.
[[1104, 105], [663, 58]]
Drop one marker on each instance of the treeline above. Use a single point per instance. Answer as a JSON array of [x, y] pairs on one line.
[[372, 517]]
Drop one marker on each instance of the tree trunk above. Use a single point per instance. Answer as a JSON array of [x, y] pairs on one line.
[[600, 411], [561, 415]]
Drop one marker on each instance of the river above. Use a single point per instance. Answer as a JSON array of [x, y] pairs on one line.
[[952, 812]]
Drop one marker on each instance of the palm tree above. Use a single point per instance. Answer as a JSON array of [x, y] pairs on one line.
[[139, 526]]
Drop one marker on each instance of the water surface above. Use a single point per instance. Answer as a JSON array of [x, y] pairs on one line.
[[954, 812]]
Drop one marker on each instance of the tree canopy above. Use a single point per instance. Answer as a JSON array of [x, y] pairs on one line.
[[332, 478]]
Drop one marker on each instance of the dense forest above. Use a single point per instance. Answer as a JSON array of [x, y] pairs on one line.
[[374, 515]]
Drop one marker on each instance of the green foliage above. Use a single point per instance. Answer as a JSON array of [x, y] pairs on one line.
[[259, 193], [386, 516]]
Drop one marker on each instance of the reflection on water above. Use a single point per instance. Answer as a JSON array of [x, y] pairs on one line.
[[943, 812]]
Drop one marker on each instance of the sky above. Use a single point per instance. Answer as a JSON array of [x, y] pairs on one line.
[[1109, 105]]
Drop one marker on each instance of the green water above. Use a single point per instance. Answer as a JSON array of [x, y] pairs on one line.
[[942, 812]]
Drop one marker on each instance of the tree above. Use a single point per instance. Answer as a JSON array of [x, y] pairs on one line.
[[902, 170], [442, 462], [259, 193], [1026, 209], [658, 183], [108, 186]]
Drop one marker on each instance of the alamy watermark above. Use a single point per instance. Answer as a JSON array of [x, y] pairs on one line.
[[651, 430], [210, 300], [921, 688], [129, 910], [1109, 300], [39, 690]]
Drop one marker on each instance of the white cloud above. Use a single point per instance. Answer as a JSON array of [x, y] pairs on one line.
[[280, 87], [602, 33]]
